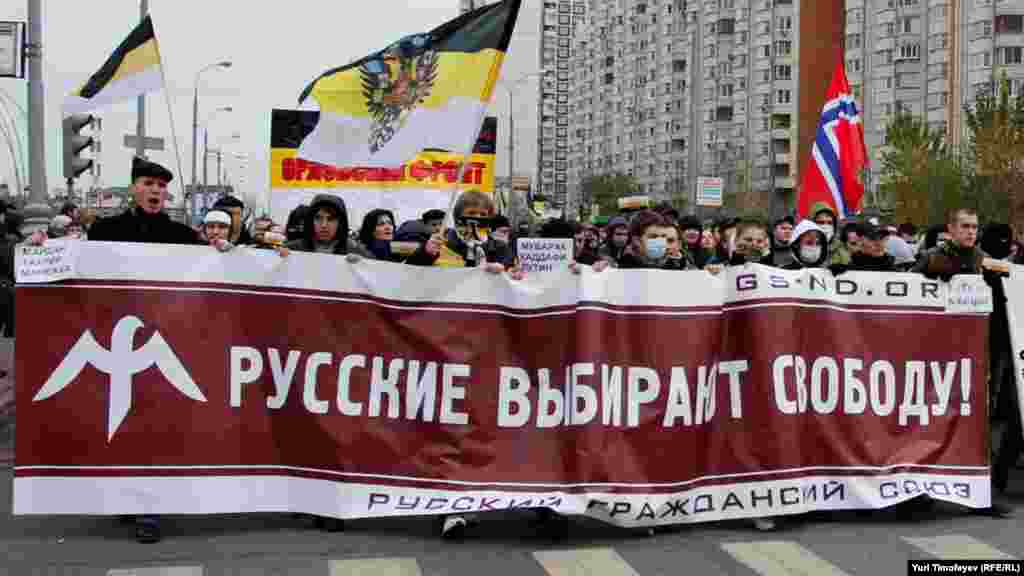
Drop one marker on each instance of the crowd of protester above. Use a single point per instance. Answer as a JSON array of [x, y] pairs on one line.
[[660, 238]]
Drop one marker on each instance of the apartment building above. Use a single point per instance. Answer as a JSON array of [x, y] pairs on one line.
[[930, 58], [671, 90]]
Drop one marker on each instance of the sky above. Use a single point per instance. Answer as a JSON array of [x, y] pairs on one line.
[[276, 49]]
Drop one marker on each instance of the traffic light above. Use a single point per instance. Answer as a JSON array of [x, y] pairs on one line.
[[75, 143]]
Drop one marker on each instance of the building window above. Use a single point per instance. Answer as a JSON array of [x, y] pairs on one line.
[[1009, 55], [783, 72], [783, 47], [910, 51], [783, 96], [1010, 24]]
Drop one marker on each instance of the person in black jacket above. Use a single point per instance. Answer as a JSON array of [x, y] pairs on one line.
[[325, 229], [376, 235], [996, 241], [147, 222], [648, 246], [239, 235], [871, 255], [751, 243]]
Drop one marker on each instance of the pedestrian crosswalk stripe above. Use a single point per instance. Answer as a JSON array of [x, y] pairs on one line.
[[771, 558], [584, 562], [158, 571], [958, 547], [375, 567]]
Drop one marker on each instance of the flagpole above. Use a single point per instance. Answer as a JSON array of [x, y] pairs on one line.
[[174, 133]]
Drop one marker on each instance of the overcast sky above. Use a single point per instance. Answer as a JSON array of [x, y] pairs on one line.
[[277, 49]]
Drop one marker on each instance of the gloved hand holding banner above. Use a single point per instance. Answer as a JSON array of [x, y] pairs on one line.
[[185, 381]]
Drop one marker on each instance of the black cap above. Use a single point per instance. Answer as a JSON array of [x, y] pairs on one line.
[[873, 232], [785, 220], [557, 229], [433, 215], [690, 223], [500, 221], [229, 202], [142, 168]]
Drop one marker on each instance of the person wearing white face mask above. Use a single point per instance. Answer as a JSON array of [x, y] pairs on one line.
[[809, 246], [825, 218]]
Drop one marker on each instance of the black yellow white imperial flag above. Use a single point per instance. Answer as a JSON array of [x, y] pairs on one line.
[[425, 92], [133, 69]]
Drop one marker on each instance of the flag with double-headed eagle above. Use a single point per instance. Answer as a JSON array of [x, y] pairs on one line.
[[425, 92], [838, 156]]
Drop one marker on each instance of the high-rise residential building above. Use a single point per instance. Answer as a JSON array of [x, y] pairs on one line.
[[672, 90], [930, 58]]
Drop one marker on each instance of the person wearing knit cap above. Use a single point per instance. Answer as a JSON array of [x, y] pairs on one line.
[[234, 207], [146, 221], [217, 228]]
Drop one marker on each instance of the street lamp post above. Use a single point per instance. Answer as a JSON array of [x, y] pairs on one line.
[[206, 141], [510, 90], [195, 114]]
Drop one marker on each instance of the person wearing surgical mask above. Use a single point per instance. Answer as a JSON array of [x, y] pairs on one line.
[[809, 246], [825, 219], [648, 247]]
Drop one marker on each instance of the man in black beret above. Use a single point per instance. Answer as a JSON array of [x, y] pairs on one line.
[[147, 221]]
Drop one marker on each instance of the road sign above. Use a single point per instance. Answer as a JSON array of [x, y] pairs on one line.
[[709, 192], [130, 141]]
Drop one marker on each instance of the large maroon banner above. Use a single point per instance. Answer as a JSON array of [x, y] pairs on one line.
[[176, 380]]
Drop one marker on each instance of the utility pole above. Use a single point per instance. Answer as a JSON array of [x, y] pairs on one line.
[[140, 126], [37, 212]]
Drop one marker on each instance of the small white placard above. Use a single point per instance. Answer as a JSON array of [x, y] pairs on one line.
[[55, 260], [969, 294], [544, 255]]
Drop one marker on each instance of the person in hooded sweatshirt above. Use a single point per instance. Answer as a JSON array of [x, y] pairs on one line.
[[825, 218], [376, 236], [809, 247], [325, 229]]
